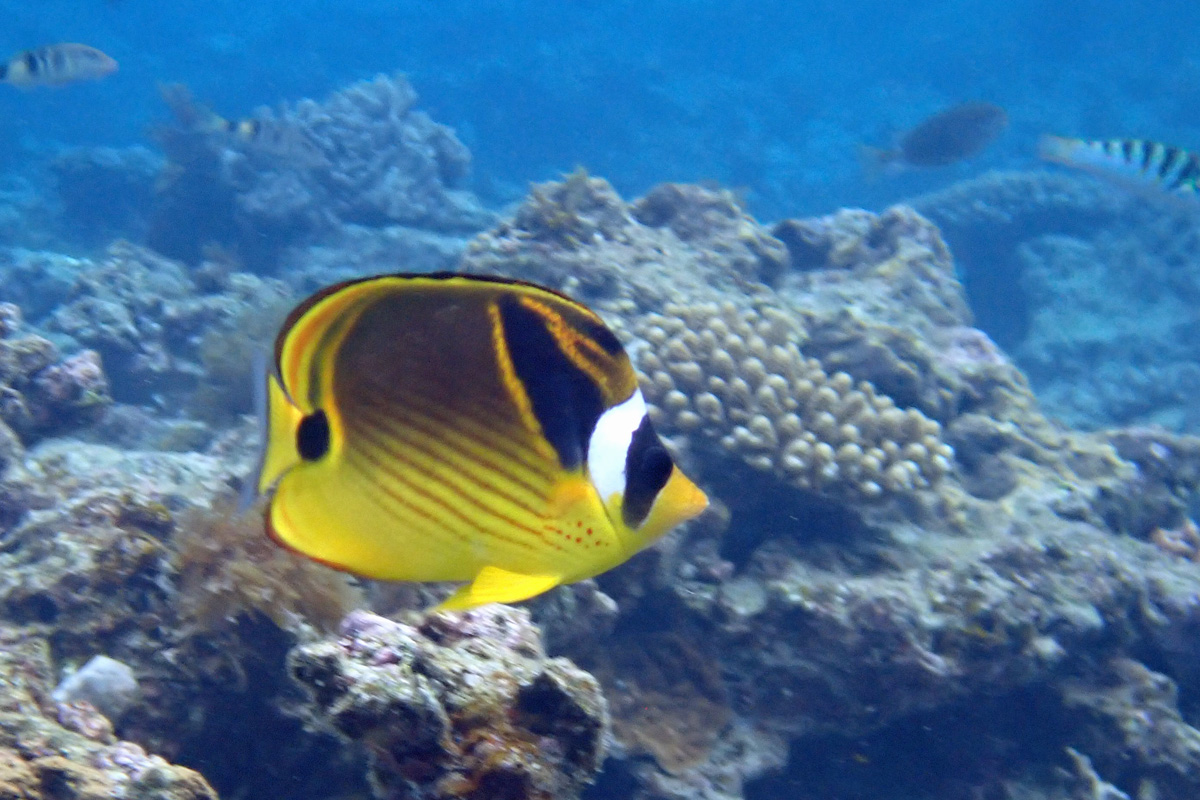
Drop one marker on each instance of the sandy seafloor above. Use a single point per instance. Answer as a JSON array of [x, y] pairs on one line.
[[947, 418]]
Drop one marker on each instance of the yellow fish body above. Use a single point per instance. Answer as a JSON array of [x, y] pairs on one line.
[[57, 65], [459, 428]]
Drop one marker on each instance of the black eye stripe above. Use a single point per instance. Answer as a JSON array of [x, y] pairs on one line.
[[312, 436], [648, 466], [565, 400]]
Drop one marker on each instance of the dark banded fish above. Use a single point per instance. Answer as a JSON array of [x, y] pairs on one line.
[[944, 138], [1135, 162], [57, 65], [457, 428]]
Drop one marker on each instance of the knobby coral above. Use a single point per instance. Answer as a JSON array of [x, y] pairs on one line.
[[737, 377]]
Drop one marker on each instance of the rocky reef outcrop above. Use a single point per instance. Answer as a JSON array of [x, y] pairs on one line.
[[912, 582], [902, 529], [363, 159], [1090, 288], [459, 705], [65, 750]]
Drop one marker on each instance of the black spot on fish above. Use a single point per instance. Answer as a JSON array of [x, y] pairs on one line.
[[565, 400], [312, 436], [31, 64], [648, 465]]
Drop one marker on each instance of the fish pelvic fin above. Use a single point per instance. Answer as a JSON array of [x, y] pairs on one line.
[[496, 585]]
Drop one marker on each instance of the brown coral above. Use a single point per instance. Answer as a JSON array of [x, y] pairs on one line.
[[666, 697], [227, 566]]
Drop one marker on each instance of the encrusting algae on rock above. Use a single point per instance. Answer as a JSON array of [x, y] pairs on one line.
[[226, 568], [459, 705]]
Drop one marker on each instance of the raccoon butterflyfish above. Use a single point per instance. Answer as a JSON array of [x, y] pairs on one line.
[[457, 428], [57, 65], [945, 138], [1136, 163]]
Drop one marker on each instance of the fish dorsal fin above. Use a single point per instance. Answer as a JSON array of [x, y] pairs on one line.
[[496, 585]]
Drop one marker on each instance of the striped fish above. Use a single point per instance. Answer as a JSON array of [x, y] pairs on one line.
[[1135, 162], [57, 65], [457, 428]]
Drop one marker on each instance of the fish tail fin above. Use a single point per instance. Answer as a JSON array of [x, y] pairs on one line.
[[877, 161], [277, 419], [496, 585], [1058, 149]]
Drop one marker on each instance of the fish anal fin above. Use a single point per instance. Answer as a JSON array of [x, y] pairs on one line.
[[496, 585]]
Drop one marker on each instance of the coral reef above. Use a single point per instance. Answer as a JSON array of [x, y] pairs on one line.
[[461, 705], [1109, 320], [152, 321], [363, 156], [1029, 200], [113, 552], [738, 378], [1130, 715], [830, 609], [42, 393], [104, 192], [579, 236], [1089, 287], [226, 567], [905, 563], [66, 750]]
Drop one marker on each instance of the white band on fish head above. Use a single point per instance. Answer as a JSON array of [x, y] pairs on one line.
[[608, 446]]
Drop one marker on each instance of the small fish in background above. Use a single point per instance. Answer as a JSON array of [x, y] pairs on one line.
[[1137, 164], [945, 138], [461, 428], [57, 65], [276, 140]]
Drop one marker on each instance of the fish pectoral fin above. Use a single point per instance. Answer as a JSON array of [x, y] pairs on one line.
[[496, 585]]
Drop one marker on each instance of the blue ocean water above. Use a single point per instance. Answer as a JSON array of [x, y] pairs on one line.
[[771, 98]]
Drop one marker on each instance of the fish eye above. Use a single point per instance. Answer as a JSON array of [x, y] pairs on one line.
[[654, 467], [648, 467], [312, 436]]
